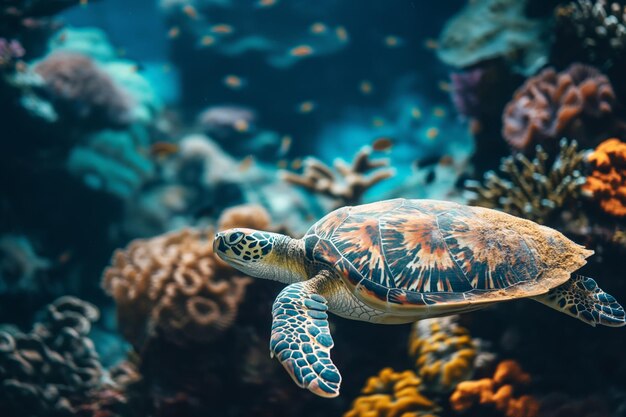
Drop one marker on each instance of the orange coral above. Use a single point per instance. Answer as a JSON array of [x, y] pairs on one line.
[[607, 182], [252, 216], [443, 351], [497, 392], [577, 103], [393, 394]]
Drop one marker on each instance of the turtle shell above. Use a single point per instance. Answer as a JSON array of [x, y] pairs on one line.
[[401, 254]]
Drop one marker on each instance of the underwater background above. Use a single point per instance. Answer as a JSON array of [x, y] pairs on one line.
[[133, 130]]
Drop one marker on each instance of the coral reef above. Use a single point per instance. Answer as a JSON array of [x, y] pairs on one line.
[[52, 369], [10, 52], [245, 215], [578, 103], [443, 351], [347, 183], [534, 189], [84, 91], [172, 286], [498, 392], [488, 29], [392, 394], [607, 181]]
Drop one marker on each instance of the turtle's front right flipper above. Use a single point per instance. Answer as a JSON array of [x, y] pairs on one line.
[[581, 297], [301, 338]]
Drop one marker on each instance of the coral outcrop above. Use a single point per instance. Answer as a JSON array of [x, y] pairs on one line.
[[488, 29], [393, 394], [578, 103], [347, 183], [51, 369], [444, 352], [533, 189], [607, 181], [251, 216], [497, 392], [172, 286]]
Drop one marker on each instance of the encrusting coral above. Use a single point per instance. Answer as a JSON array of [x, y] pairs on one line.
[[346, 184], [85, 91], [607, 181], [578, 103], [50, 370], [497, 393], [393, 394], [444, 352], [532, 189], [174, 286]]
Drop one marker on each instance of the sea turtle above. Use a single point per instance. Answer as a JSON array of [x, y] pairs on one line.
[[399, 261]]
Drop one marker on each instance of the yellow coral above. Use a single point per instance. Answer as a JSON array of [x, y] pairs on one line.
[[497, 392], [443, 351], [393, 394], [607, 182]]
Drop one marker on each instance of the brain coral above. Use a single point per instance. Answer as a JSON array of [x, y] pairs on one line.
[[393, 394], [83, 90], [497, 393], [443, 351], [50, 370], [577, 103], [607, 181]]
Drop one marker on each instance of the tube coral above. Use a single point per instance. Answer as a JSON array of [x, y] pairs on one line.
[[497, 393], [393, 394], [51, 369], [83, 90], [578, 103], [533, 189], [443, 351], [346, 184], [607, 181]]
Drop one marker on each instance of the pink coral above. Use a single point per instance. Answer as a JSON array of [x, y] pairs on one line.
[[83, 90]]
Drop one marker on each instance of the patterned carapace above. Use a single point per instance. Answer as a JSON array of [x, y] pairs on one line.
[[400, 250]]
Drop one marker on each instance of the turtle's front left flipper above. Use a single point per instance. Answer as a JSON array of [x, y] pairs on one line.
[[301, 337], [581, 297]]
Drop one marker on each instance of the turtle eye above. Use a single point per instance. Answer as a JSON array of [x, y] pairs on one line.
[[234, 238]]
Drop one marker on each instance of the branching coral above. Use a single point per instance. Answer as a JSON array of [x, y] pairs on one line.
[[83, 90], [497, 393], [393, 394], [443, 351], [488, 29], [607, 181], [347, 183], [52, 368], [533, 189], [172, 285], [578, 103]]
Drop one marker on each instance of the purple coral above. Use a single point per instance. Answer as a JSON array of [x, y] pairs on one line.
[[464, 91], [10, 51], [84, 91]]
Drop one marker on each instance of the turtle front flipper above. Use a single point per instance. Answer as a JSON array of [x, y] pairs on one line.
[[581, 297], [301, 338]]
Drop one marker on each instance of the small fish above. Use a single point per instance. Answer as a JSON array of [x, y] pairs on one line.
[[190, 11], [174, 32], [296, 164], [439, 112], [342, 33], [285, 145], [416, 113], [266, 3], [432, 133], [378, 122], [306, 107], [241, 125], [444, 86], [382, 143], [318, 28], [222, 28], [431, 44], [84, 2], [163, 149], [301, 50], [207, 40], [234, 82], [281, 164], [392, 41], [65, 257], [366, 87], [446, 161], [246, 163]]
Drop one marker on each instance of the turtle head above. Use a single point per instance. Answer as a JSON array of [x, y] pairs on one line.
[[261, 254]]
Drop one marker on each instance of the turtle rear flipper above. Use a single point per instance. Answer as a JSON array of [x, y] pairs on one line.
[[301, 338], [581, 297]]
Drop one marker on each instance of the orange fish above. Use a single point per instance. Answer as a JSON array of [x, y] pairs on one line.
[[266, 3], [234, 82], [301, 50], [318, 28], [242, 125], [306, 107], [285, 145], [439, 112], [444, 86], [366, 87], [222, 28], [416, 113], [207, 40], [382, 144], [392, 41], [174, 32], [163, 149], [342, 33], [246, 163], [432, 133], [190, 11], [378, 122], [431, 44], [296, 164]]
